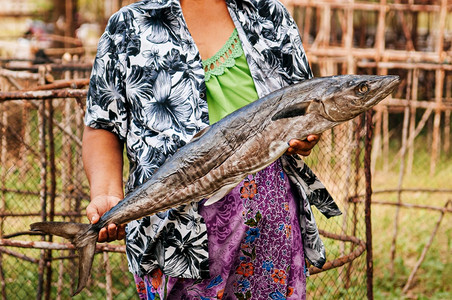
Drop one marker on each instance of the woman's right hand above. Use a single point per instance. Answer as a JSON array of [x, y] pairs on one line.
[[97, 207]]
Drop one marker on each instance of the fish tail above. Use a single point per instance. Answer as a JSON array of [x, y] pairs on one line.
[[82, 236]]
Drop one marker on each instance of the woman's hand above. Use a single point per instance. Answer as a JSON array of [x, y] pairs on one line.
[[303, 147], [97, 207]]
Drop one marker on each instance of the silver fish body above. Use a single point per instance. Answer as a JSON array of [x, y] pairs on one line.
[[223, 154]]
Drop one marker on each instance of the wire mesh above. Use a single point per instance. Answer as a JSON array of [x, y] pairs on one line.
[[42, 177], [338, 162]]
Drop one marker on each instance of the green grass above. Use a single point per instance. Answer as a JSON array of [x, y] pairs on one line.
[[432, 280]]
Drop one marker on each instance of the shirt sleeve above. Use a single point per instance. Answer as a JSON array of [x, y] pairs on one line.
[[106, 101], [294, 59]]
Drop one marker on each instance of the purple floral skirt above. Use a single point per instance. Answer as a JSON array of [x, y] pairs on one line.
[[255, 246]]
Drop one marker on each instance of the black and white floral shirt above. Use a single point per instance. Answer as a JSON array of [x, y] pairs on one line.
[[147, 86]]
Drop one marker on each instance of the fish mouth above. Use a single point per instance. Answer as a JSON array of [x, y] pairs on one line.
[[391, 81], [384, 86]]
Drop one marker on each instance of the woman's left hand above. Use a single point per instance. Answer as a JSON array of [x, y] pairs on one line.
[[303, 147]]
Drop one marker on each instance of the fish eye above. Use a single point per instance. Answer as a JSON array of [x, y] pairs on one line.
[[362, 88]]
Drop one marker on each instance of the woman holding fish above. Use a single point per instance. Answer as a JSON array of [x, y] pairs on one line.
[[164, 70]]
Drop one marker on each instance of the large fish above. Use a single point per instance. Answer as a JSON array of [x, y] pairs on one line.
[[221, 155]]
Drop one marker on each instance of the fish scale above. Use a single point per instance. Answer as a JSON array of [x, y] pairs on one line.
[[220, 156]]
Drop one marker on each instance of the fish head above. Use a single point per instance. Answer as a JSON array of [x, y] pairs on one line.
[[348, 96]]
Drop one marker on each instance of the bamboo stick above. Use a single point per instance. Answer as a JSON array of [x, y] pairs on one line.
[[3, 158], [69, 166], [52, 192], [413, 190], [356, 163], [65, 39], [447, 119], [415, 79], [108, 278], [307, 24], [405, 65], [323, 35], [73, 84], [43, 187], [370, 6], [406, 31], [78, 165], [343, 259], [439, 76], [376, 149], [19, 255], [60, 280], [417, 131], [44, 245], [348, 40], [346, 159], [441, 30], [18, 74], [382, 54], [418, 206], [48, 94], [54, 67], [385, 140], [61, 51], [399, 194], [37, 214]]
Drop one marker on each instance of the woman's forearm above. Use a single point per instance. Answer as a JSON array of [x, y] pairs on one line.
[[103, 162]]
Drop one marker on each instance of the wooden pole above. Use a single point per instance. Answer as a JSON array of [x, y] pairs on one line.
[[43, 192], [356, 163], [3, 158], [417, 131], [376, 149], [447, 119], [414, 95], [385, 139], [48, 94], [367, 207], [78, 165], [380, 35], [52, 193], [399, 193], [406, 31], [439, 76], [108, 278]]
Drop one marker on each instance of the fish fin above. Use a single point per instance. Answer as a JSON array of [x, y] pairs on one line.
[[220, 194], [200, 134], [68, 230], [82, 237], [85, 262], [296, 110]]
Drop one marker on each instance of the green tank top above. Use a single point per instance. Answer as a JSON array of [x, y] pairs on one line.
[[229, 84]]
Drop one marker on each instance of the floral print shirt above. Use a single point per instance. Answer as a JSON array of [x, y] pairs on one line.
[[147, 86]]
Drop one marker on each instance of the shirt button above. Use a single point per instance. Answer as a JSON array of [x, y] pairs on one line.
[[202, 95]]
